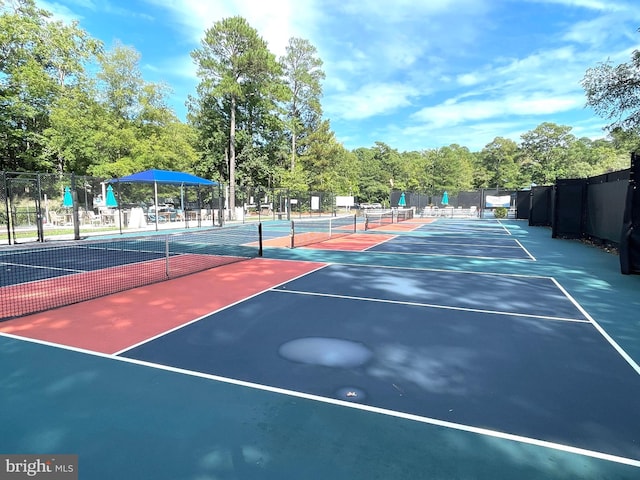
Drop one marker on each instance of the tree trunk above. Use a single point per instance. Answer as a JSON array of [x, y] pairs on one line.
[[232, 161], [293, 151]]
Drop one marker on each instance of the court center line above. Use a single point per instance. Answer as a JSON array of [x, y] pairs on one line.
[[429, 305], [355, 406]]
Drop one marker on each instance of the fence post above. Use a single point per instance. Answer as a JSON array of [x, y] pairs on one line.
[[6, 206], [39, 222], [76, 219]]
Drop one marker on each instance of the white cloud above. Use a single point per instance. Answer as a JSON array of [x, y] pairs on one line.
[[370, 100], [275, 24], [182, 67], [452, 113], [67, 14], [403, 10], [59, 12], [468, 79], [597, 5]]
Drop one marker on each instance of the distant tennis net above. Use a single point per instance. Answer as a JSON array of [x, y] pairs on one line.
[[378, 219], [39, 278], [306, 232]]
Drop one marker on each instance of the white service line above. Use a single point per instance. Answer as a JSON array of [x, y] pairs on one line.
[[429, 305]]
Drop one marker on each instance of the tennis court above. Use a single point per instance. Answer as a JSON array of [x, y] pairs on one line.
[[344, 362], [457, 238]]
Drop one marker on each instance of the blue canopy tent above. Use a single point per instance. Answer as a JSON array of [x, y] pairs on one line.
[[165, 177]]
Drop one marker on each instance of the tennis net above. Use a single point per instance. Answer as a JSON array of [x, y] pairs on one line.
[[387, 217], [306, 232], [41, 277]]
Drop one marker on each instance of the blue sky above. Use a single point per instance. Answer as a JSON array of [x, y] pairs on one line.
[[415, 74]]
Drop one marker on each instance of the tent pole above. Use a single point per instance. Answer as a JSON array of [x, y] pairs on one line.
[[155, 197]]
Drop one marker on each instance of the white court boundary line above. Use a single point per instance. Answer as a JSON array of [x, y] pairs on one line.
[[355, 406], [430, 305], [503, 226], [527, 251], [601, 330]]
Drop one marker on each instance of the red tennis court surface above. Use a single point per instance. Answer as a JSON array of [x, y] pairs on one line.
[[110, 324], [59, 291], [405, 225], [356, 242]]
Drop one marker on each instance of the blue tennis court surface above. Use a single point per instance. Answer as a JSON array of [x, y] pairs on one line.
[[455, 238], [37, 264], [451, 246], [482, 227], [536, 369]]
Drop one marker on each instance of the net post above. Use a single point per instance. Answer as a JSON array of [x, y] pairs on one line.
[[260, 239], [166, 253], [292, 234], [355, 223]]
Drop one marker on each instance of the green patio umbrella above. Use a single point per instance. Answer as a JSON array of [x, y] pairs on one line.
[[445, 198], [402, 202]]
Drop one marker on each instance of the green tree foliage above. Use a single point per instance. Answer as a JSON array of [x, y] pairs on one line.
[[303, 75], [414, 172], [373, 181], [39, 61], [255, 121], [614, 92], [55, 117], [452, 169], [72, 142], [328, 165], [390, 161], [138, 131], [238, 70], [545, 150], [500, 160]]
